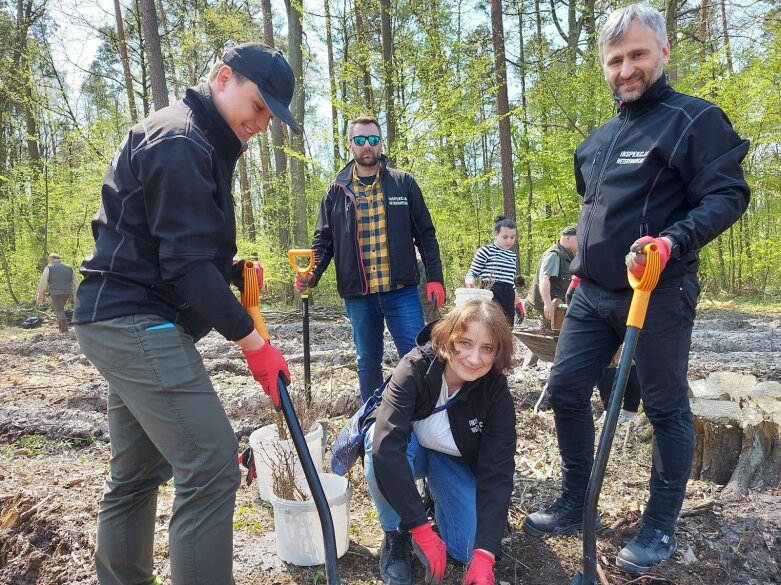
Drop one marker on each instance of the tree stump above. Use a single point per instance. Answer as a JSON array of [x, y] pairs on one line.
[[737, 425]]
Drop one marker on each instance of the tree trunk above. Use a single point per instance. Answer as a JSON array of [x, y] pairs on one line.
[[503, 111], [166, 40], [275, 190], [526, 145], [297, 177], [131, 96], [247, 213], [737, 424], [671, 16], [725, 28], [390, 86], [154, 54], [332, 86], [363, 58]]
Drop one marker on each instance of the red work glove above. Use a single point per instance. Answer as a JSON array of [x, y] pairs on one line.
[[573, 284], [480, 570], [431, 551], [436, 290], [266, 365], [304, 282], [635, 260], [520, 313]]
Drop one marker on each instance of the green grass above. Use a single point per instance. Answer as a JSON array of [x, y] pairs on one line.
[[246, 519]]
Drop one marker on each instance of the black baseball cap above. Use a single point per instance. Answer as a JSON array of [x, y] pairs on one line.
[[570, 230], [268, 69]]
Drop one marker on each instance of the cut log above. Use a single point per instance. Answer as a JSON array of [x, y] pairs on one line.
[[737, 425]]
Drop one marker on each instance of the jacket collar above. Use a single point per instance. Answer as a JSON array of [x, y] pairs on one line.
[[658, 90], [345, 176], [218, 132]]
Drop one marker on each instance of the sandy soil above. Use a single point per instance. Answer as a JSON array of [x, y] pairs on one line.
[[54, 454]]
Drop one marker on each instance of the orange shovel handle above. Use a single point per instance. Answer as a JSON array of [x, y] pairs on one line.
[[250, 297], [643, 287], [308, 255]]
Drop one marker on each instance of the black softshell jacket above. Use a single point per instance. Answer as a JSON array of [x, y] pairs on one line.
[[408, 224], [667, 164], [482, 420], [165, 235]]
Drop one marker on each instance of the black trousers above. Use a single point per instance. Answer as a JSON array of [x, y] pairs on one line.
[[504, 294], [593, 329]]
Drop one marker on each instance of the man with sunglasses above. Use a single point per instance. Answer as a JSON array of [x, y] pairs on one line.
[[370, 222]]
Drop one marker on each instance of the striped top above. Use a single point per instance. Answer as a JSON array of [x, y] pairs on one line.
[[493, 264]]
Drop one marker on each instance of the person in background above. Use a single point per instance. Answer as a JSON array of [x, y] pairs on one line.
[[520, 308], [62, 282], [430, 311], [158, 281], [447, 416], [495, 264], [371, 220], [553, 275], [665, 171]]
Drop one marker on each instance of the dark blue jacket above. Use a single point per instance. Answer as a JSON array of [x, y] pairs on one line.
[[667, 164], [408, 224], [165, 235]]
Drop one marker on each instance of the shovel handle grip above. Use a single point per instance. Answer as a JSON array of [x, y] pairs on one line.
[[250, 298], [643, 286], [306, 254]]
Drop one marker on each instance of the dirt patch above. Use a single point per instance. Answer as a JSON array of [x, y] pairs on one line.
[[54, 455]]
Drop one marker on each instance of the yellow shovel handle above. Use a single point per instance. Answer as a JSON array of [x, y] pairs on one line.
[[643, 286], [295, 254]]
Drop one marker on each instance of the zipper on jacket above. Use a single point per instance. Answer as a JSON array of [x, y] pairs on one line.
[[600, 178]]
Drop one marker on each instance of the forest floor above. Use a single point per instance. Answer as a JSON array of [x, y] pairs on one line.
[[54, 454]]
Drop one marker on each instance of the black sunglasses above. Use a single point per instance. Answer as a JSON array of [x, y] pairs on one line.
[[373, 139]]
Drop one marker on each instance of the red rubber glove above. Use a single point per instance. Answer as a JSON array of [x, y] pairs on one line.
[[480, 570], [573, 284], [520, 312], [436, 290], [304, 282], [635, 260], [266, 365], [431, 551]]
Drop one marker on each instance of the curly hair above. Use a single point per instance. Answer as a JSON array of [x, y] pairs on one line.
[[449, 330]]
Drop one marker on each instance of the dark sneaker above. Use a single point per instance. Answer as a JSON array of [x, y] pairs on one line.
[[561, 517], [649, 547], [395, 564]]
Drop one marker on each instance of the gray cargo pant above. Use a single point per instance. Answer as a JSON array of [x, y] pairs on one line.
[[165, 420]]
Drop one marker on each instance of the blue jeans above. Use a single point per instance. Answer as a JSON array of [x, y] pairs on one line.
[[401, 310], [453, 488], [593, 329]]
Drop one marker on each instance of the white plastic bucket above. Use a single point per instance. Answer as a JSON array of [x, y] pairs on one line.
[[464, 294], [299, 534], [267, 450]]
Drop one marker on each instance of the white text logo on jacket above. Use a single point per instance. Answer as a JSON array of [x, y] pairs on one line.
[[397, 201], [475, 425], [631, 157]]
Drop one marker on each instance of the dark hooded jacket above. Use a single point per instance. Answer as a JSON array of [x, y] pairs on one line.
[[667, 165], [165, 235], [408, 224], [482, 420]]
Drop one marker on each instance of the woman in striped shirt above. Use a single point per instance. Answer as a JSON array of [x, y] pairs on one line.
[[495, 265]]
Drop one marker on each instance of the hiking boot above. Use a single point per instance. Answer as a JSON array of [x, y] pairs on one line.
[[395, 562], [649, 547], [561, 517]]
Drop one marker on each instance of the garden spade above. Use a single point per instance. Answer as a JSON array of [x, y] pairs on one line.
[[293, 256], [634, 323], [250, 299]]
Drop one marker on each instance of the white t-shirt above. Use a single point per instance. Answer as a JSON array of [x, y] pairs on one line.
[[433, 432]]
